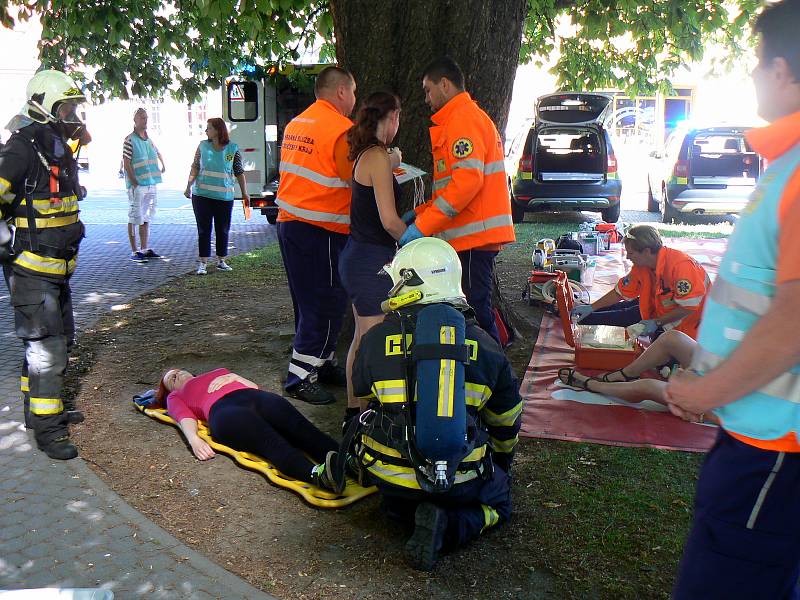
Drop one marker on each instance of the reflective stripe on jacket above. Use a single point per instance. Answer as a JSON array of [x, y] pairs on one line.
[[310, 188], [215, 178], [678, 281], [144, 161], [470, 206], [741, 295]]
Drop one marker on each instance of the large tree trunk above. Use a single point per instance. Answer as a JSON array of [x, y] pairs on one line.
[[387, 43]]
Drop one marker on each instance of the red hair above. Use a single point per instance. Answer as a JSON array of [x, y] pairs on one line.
[[161, 393], [221, 129]]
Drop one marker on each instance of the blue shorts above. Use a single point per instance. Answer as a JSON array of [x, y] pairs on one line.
[[361, 271]]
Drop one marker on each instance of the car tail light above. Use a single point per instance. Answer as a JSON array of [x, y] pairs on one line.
[[681, 169], [612, 163], [526, 163]]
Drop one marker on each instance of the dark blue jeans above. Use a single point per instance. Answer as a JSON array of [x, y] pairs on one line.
[[620, 314], [745, 538], [477, 269]]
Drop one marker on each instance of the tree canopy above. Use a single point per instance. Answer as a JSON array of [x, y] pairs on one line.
[[146, 47]]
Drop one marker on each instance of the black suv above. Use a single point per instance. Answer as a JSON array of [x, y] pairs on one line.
[[567, 161]]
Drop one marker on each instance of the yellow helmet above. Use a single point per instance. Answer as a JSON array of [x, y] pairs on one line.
[[426, 271], [46, 90]]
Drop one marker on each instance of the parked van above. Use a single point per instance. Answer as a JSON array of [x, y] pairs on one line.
[[256, 111], [568, 162]]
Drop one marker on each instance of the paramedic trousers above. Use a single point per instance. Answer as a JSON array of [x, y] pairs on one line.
[[44, 322], [620, 314], [745, 538], [311, 258], [471, 507], [477, 271]]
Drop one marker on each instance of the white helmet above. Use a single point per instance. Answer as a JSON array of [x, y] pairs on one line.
[[44, 93], [430, 266]]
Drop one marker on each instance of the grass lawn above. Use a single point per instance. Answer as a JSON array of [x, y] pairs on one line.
[[608, 522]]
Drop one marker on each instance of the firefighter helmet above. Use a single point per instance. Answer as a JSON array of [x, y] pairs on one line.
[[428, 265], [46, 90]]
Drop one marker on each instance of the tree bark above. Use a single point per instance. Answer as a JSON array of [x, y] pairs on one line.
[[387, 43]]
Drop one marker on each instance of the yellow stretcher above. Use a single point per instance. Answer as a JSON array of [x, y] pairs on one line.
[[311, 494]]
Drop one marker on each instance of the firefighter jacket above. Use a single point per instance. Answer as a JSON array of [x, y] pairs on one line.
[[677, 282], [310, 188], [49, 232], [757, 261], [470, 206], [492, 397]]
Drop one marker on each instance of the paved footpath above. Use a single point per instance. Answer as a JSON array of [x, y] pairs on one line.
[[61, 526]]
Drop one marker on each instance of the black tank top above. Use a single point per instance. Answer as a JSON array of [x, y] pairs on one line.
[[365, 221]]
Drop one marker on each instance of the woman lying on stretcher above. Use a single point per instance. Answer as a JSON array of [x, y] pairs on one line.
[[248, 419], [672, 346]]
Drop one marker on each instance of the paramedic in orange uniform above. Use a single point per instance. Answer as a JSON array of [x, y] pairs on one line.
[[470, 206], [665, 289], [313, 226]]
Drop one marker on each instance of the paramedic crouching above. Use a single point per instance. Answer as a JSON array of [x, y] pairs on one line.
[[465, 389], [665, 289]]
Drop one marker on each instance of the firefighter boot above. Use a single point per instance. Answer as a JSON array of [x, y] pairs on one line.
[[60, 449], [423, 548]]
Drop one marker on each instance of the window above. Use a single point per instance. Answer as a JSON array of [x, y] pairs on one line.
[[196, 117], [242, 100]]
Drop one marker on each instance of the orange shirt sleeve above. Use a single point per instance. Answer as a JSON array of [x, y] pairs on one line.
[[344, 166], [788, 267], [688, 284], [630, 286]]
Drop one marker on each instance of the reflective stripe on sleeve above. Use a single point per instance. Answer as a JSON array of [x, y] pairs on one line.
[[390, 391], [23, 384], [477, 227], [313, 215], [504, 446], [477, 394], [505, 419], [440, 183], [469, 163], [444, 206]]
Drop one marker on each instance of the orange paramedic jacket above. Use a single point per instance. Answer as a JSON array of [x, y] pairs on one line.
[[310, 188], [678, 282], [470, 206]]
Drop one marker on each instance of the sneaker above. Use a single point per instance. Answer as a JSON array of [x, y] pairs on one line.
[[332, 375], [423, 547], [325, 475], [138, 257], [201, 269], [311, 392], [149, 253], [60, 449], [223, 266]]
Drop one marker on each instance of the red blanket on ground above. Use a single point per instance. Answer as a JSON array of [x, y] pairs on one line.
[[555, 412]]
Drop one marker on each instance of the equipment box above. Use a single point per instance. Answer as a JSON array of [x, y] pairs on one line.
[[600, 347]]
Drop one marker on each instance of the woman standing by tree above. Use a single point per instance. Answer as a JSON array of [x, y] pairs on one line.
[[216, 163]]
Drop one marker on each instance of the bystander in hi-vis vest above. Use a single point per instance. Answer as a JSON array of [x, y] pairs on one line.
[[310, 188], [677, 282], [215, 179], [144, 161], [768, 418], [470, 206]]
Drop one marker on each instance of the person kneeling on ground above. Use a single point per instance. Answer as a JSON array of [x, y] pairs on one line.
[[671, 347], [450, 501], [248, 419], [665, 289]]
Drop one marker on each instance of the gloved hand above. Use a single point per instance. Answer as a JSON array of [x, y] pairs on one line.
[[581, 311], [6, 251], [409, 217], [411, 234], [650, 326]]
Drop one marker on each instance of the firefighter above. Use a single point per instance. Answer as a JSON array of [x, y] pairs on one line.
[[39, 191], [313, 225], [426, 273], [665, 289], [470, 206]]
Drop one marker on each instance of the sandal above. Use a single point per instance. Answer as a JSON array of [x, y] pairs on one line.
[[567, 377], [626, 378]]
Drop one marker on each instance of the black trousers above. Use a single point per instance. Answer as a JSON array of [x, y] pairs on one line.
[[477, 270], [43, 320], [266, 424], [206, 212]]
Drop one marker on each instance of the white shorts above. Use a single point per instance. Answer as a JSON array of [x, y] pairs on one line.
[[141, 204]]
